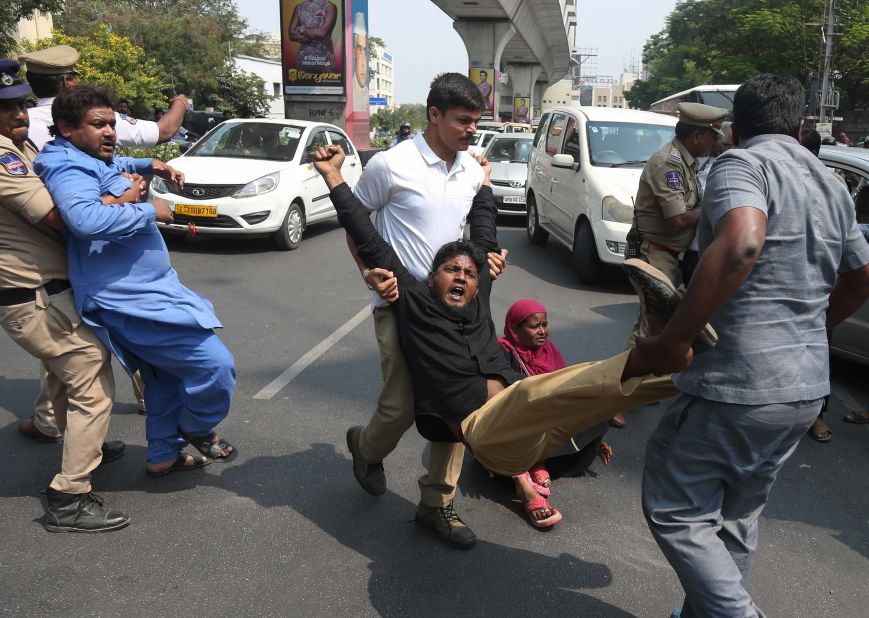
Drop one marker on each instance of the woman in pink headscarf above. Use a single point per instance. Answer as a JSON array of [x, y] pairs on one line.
[[526, 338]]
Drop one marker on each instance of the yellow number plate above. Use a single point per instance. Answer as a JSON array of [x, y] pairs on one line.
[[194, 210]]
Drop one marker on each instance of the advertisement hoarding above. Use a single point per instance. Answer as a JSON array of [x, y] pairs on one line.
[[312, 46], [357, 116], [521, 110], [484, 78]]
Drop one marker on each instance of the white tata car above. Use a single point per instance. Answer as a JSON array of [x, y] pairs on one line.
[[254, 177]]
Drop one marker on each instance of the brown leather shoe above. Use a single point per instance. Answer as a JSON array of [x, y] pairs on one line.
[[27, 427]]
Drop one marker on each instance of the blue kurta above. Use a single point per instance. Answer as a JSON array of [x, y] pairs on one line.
[[118, 260]]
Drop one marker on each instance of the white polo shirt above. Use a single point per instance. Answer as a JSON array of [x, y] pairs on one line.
[[420, 204], [131, 131]]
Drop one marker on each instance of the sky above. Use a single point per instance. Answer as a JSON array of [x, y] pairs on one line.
[[423, 42]]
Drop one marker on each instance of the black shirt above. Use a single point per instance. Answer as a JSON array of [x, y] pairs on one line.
[[449, 354]]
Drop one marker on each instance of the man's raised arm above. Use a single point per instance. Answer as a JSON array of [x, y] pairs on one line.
[[355, 218]]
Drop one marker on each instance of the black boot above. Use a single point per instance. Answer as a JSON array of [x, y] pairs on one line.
[[447, 524], [80, 513]]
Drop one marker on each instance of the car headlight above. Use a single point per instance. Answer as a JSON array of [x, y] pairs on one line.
[[159, 185], [614, 210], [258, 186]]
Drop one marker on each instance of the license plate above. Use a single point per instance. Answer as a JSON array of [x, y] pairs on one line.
[[196, 210], [514, 199]]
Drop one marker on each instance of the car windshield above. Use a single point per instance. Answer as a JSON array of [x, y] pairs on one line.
[[625, 144], [513, 150], [250, 140]]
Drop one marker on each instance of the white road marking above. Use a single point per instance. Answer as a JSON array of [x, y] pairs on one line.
[[313, 354]]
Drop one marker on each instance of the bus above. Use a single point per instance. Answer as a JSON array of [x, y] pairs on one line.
[[716, 95]]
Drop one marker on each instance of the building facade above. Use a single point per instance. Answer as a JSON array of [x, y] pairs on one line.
[[271, 73], [39, 25], [381, 84]]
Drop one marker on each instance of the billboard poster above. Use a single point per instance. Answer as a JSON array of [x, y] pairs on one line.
[[312, 46], [357, 115], [586, 95], [484, 78], [521, 110]]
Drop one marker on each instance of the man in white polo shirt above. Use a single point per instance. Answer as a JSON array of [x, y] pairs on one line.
[[52, 69], [421, 190]]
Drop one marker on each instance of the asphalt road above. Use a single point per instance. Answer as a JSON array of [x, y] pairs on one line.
[[284, 529]]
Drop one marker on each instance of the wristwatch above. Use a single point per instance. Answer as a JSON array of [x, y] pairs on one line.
[[365, 278]]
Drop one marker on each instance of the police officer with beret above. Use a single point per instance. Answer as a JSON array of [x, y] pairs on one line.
[[668, 199], [37, 310], [52, 69]]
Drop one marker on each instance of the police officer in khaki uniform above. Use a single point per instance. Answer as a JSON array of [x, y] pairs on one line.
[[668, 199], [38, 312]]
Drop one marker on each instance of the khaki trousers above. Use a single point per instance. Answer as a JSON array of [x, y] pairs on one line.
[[79, 381], [394, 415], [532, 419], [667, 264], [43, 409]]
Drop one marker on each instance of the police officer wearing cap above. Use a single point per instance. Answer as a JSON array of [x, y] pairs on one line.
[[668, 199], [37, 311], [52, 69]]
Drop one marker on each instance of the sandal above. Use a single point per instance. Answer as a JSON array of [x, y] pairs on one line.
[[618, 421], [541, 477], [858, 418], [179, 465], [537, 504], [820, 431], [540, 489], [210, 445]]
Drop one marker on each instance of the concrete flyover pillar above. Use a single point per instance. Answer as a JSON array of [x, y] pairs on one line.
[[485, 42], [523, 77]]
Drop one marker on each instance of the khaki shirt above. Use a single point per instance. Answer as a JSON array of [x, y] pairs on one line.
[[668, 188], [30, 254]]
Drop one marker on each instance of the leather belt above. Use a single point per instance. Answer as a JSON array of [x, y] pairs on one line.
[[19, 296], [657, 247]]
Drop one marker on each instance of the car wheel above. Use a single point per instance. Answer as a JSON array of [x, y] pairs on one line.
[[289, 235], [536, 234], [588, 266]]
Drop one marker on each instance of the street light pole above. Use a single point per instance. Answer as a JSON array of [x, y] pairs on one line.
[[826, 86]]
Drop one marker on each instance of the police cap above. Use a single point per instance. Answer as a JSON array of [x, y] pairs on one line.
[[11, 86], [700, 115], [57, 60]]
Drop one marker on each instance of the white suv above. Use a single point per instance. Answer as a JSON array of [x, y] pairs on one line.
[[583, 175]]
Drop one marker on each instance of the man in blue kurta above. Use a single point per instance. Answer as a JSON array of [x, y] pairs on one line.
[[126, 289]]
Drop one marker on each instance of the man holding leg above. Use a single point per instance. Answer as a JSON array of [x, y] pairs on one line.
[[775, 271]]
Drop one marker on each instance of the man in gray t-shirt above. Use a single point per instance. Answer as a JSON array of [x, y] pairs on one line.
[[781, 259]]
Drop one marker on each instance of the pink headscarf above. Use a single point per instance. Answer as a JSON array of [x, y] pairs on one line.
[[541, 360]]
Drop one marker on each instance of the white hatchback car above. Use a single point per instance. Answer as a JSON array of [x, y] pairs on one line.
[[508, 155], [254, 177], [583, 175]]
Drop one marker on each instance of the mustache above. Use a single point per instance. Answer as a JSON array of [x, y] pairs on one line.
[[21, 125]]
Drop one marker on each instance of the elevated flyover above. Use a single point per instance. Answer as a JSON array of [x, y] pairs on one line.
[[529, 40]]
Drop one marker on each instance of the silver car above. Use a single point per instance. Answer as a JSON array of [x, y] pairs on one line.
[[508, 155], [851, 338]]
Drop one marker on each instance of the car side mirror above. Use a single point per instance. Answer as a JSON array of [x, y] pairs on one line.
[[566, 161]]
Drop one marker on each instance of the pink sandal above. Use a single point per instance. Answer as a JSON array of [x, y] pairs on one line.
[[541, 477], [540, 503], [540, 489]]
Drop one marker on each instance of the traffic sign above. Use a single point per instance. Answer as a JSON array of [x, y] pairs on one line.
[[378, 101]]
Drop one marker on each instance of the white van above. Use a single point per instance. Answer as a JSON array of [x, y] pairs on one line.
[[583, 175]]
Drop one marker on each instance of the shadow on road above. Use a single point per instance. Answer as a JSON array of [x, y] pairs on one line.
[[411, 574]]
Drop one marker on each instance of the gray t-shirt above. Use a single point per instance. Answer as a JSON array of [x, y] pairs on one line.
[[772, 344]]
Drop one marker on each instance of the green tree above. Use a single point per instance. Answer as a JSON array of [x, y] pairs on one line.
[[13, 10], [243, 93], [728, 41], [190, 39], [414, 113], [108, 59]]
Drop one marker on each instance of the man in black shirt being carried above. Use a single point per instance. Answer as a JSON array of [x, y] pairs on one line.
[[463, 386]]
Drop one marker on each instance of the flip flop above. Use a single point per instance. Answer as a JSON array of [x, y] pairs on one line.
[[818, 434], [540, 503], [210, 445], [180, 465], [540, 489], [858, 418]]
